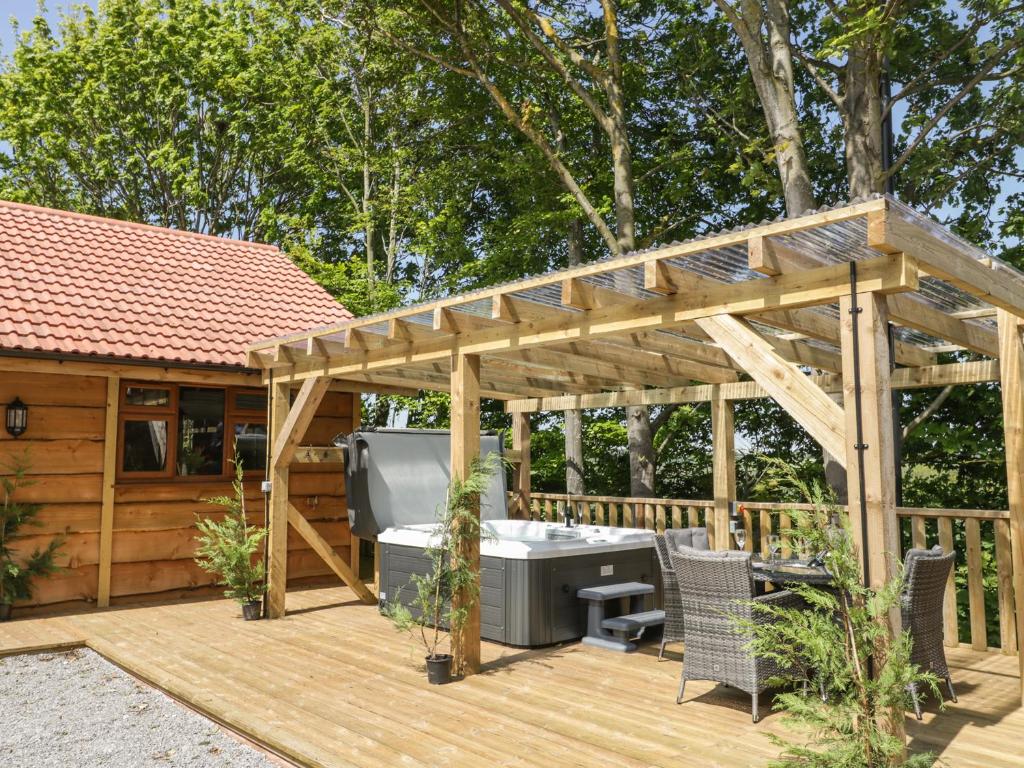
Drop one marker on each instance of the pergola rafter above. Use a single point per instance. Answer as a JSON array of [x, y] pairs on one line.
[[756, 312]]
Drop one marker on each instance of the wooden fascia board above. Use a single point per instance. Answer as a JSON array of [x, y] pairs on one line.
[[888, 232]]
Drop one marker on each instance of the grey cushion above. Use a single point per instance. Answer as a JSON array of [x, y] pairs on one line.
[[694, 538], [916, 553]]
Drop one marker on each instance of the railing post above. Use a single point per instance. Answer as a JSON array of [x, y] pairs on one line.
[[723, 440]]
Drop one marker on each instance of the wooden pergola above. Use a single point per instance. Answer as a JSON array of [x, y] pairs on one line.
[[809, 311]]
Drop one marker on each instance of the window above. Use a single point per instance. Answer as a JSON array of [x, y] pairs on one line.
[[180, 431]]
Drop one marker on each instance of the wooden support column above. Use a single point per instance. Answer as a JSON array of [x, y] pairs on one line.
[[1011, 370], [878, 455], [107, 498], [723, 438], [521, 473], [465, 447], [874, 450], [277, 538], [354, 558]]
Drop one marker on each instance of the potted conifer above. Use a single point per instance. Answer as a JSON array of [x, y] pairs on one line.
[[231, 548], [18, 572], [837, 643], [432, 611]]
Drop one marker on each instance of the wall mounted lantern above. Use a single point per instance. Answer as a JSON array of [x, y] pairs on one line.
[[17, 417]]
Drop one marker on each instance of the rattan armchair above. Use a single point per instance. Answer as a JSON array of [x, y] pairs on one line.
[[672, 631], [715, 587], [925, 575]]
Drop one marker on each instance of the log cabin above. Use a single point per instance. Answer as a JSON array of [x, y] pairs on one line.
[[126, 344]]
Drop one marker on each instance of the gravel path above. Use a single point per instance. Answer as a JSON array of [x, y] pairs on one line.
[[77, 710]]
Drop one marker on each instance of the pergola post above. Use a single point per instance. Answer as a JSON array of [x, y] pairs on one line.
[[1011, 376], [723, 440], [277, 517], [871, 447], [521, 473], [465, 448]]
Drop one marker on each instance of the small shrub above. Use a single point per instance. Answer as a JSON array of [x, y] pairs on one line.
[[17, 573], [230, 549], [842, 642]]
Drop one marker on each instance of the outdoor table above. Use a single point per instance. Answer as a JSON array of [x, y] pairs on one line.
[[790, 571]]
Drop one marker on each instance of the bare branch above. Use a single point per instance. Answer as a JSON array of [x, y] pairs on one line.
[[956, 99], [928, 412], [812, 68]]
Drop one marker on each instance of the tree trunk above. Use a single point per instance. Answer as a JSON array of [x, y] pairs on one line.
[[770, 57], [862, 121], [368, 229], [574, 453], [638, 422], [573, 419]]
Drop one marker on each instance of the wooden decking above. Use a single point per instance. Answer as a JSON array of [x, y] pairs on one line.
[[332, 684]]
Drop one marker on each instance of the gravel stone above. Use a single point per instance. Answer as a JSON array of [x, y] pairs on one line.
[[77, 710]]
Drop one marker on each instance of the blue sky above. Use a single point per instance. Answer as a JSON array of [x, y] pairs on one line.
[[24, 11]]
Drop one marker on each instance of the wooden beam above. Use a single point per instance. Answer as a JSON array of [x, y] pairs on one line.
[[885, 274], [662, 277], [1011, 356], [133, 372], [653, 365], [910, 311], [723, 440], [107, 496], [277, 514], [465, 448], [889, 231], [804, 400], [871, 455], [300, 415], [973, 372], [770, 258], [323, 548], [521, 472]]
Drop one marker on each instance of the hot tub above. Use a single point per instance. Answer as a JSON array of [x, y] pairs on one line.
[[529, 573]]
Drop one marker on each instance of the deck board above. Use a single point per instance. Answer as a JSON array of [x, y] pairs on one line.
[[332, 684]]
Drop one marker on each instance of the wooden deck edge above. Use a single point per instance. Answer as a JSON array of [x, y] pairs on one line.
[[57, 647], [272, 747]]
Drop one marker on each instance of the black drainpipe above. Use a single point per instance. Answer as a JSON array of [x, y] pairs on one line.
[[860, 445], [266, 493]]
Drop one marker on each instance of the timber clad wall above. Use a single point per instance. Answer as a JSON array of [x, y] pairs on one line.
[[153, 528]]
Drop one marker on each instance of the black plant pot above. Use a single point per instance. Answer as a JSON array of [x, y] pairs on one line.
[[439, 669], [5, 611], [251, 610]]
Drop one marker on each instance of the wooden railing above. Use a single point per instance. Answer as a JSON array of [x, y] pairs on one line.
[[982, 585]]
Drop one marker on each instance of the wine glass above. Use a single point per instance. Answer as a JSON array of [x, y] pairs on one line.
[[740, 534], [774, 545]]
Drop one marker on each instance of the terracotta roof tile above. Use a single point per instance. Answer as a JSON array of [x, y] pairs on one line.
[[76, 284]]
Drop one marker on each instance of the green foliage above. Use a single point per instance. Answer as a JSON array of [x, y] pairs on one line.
[[842, 641], [458, 524], [230, 548], [16, 570]]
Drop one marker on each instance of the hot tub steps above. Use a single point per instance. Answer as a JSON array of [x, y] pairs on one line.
[[616, 633], [634, 624]]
